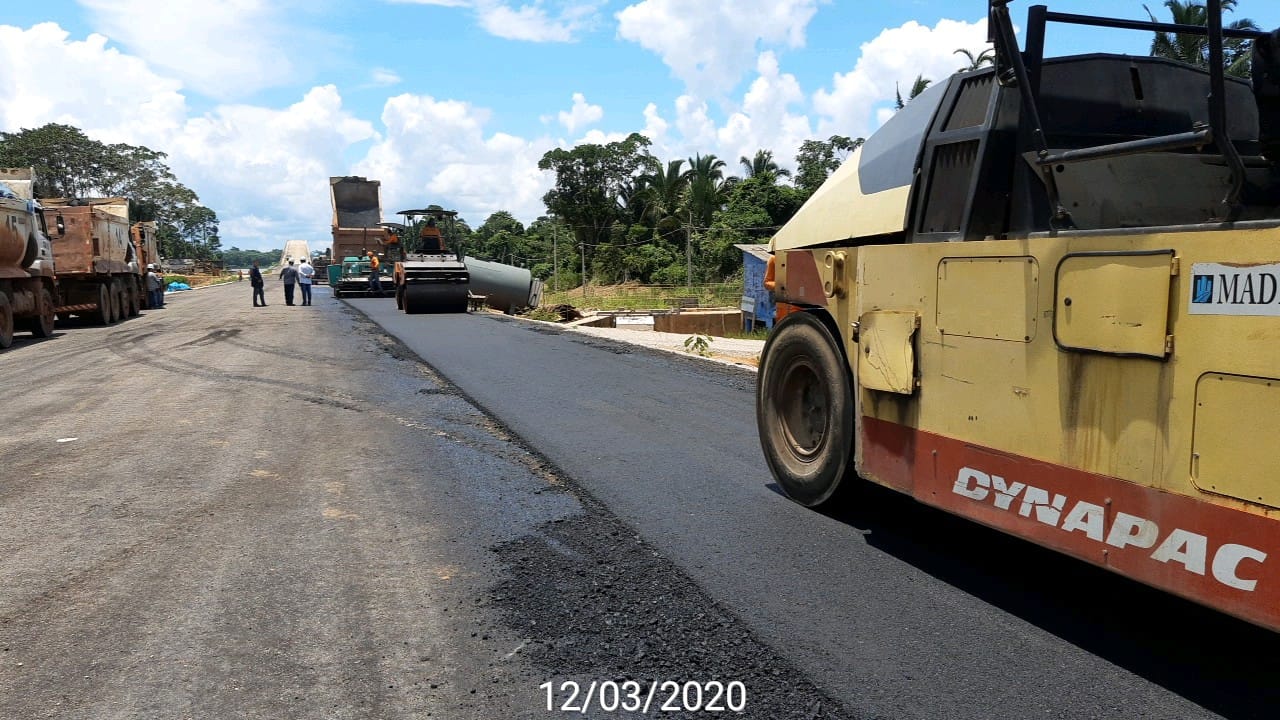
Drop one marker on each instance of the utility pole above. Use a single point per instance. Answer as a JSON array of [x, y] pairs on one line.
[[555, 261], [584, 268], [688, 252]]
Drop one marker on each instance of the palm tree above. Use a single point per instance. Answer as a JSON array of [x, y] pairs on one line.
[[664, 189], [708, 191], [708, 188], [1194, 49], [917, 87], [633, 199], [761, 164], [977, 62]]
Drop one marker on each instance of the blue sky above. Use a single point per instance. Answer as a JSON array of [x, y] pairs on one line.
[[257, 102]]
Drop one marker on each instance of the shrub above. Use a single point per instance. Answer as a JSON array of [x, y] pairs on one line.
[[698, 344]]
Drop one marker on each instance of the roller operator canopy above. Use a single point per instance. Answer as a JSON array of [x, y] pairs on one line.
[[868, 194]]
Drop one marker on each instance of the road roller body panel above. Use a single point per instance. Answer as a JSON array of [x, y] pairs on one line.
[[1046, 296]]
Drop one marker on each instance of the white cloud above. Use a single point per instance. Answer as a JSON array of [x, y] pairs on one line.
[[383, 77], [534, 21], [441, 3], [581, 114], [596, 137], [264, 170], [706, 43], [893, 59], [436, 151], [694, 122], [222, 48], [768, 117], [249, 163], [765, 121], [655, 127], [108, 94]]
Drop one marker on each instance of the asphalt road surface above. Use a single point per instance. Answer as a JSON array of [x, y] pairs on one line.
[[221, 511]]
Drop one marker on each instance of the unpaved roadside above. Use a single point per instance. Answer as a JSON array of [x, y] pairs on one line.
[[221, 511]]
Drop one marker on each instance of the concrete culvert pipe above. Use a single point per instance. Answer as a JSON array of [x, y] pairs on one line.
[[505, 287]]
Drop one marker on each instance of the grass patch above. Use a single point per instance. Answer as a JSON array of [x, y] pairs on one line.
[[761, 334], [632, 296]]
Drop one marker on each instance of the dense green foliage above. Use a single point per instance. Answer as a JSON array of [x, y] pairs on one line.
[[237, 258], [68, 164], [616, 213], [817, 159], [620, 214]]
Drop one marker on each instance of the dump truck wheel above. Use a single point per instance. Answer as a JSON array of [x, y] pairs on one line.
[[6, 321], [804, 410], [116, 313], [42, 325], [104, 315], [134, 297]]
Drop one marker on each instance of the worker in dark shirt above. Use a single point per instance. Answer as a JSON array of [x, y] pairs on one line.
[[259, 291]]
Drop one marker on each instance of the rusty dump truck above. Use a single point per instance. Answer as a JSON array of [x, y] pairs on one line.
[[99, 268], [26, 261], [357, 230]]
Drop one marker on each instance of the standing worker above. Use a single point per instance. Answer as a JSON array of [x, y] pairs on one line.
[[375, 268], [305, 273], [255, 279], [290, 276], [155, 287]]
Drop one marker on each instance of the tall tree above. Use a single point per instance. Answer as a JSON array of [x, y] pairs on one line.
[[664, 191], [501, 238], [589, 180], [708, 192], [763, 163], [817, 159], [550, 242], [69, 164], [707, 189], [756, 207], [633, 202], [1194, 49]]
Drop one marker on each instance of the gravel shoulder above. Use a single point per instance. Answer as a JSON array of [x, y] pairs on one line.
[[736, 351]]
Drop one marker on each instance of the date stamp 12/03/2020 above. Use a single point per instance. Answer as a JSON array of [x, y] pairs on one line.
[[645, 697]]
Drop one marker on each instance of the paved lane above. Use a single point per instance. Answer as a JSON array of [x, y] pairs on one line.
[[897, 610]]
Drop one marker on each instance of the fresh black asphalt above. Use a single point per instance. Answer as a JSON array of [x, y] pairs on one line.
[[896, 610]]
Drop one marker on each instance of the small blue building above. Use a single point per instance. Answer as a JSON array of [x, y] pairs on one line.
[[755, 258]]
